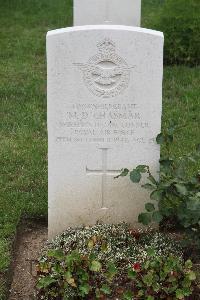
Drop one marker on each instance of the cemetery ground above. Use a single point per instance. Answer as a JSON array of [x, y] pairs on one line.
[[23, 144]]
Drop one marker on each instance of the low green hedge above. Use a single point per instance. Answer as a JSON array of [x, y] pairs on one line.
[[180, 22]]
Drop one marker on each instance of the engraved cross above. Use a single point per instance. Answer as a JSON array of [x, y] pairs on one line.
[[104, 172]]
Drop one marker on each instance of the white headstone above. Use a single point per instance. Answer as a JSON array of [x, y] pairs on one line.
[[97, 12], [104, 112]]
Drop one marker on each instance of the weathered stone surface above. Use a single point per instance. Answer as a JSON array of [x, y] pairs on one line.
[[104, 112], [117, 12]]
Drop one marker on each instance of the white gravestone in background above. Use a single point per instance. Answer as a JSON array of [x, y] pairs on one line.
[[104, 112], [97, 12]]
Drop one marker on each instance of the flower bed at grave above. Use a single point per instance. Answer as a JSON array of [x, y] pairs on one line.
[[113, 262]]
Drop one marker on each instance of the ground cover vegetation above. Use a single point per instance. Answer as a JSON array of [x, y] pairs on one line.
[[113, 262], [23, 143]]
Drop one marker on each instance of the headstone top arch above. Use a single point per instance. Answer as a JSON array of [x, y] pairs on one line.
[[109, 12]]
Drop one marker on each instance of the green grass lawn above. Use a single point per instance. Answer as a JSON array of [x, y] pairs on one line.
[[23, 136]]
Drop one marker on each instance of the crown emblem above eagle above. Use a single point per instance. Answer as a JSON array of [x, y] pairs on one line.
[[106, 46]]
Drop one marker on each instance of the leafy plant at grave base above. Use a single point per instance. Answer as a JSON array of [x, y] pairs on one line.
[[177, 196], [95, 262], [73, 275], [161, 278]]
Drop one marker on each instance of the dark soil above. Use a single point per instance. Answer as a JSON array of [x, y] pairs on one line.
[[30, 240]]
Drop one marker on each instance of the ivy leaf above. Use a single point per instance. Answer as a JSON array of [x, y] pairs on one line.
[[151, 252], [68, 275], [98, 293], [141, 168], [191, 275], [135, 176], [157, 217], [188, 264], [181, 189], [112, 270], [144, 218], [82, 274], [131, 274], [122, 174], [140, 293], [44, 282], [58, 254], [71, 282], [104, 247], [187, 291], [73, 257], [106, 289], [95, 266], [149, 186], [84, 289], [43, 267], [160, 139], [179, 294], [148, 279], [90, 244], [149, 207], [152, 179], [150, 298], [156, 195], [128, 295]]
